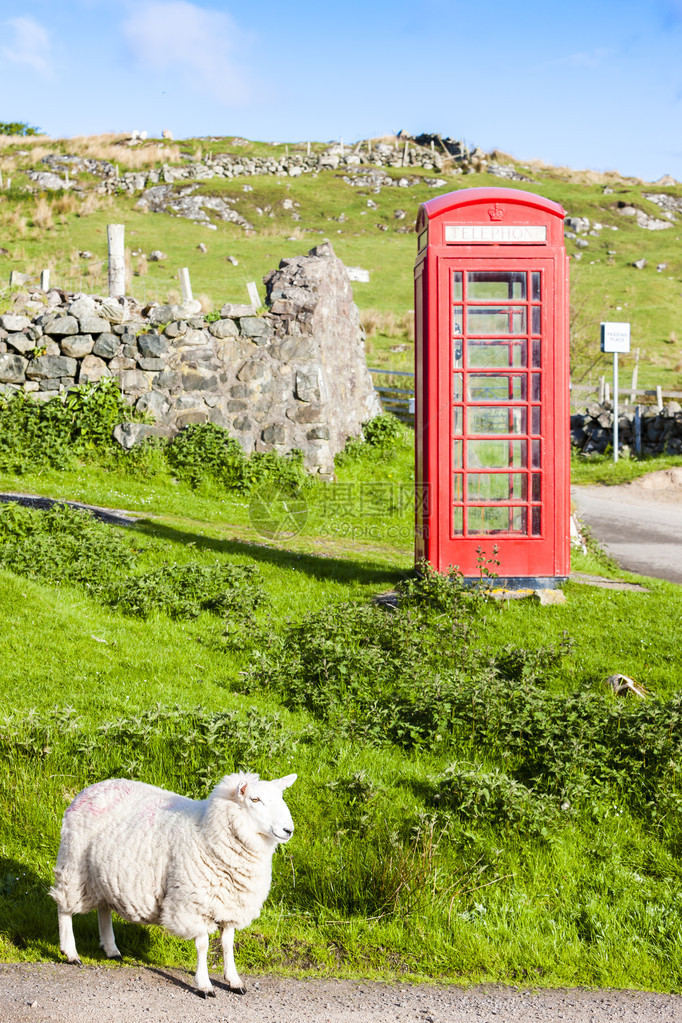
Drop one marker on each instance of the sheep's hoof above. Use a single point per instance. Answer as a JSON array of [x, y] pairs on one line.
[[238, 990], [74, 962], [117, 958], [208, 994]]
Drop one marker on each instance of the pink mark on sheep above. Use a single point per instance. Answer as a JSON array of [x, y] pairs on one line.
[[90, 799]]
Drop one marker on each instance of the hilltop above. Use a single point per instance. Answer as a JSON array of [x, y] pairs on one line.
[[229, 209]]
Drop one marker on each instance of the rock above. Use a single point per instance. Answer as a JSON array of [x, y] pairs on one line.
[[63, 326], [93, 325], [308, 384], [640, 263], [47, 367], [233, 260], [77, 346], [83, 306], [106, 346], [130, 434], [152, 346], [161, 314], [255, 326], [14, 324], [21, 343], [223, 328], [274, 434], [154, 402], [12, 368], [156, 256], [235, 311], [133, 380], [92, 369]]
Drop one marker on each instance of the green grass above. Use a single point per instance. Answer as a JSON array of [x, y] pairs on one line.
[[383, 878]]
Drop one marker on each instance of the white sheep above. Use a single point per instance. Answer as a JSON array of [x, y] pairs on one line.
[[158, 858]]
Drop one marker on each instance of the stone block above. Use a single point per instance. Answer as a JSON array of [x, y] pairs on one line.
[[21, 343], [236, 310], [133, 380], [77, 345], [198, 378], [307, 413], [13, 324], [255, 371], [152, 346], [170, 379], [295, 349], [106, 346], [93, 325], [223, 328], [255, 326], [274, 434], [244, 424], [62, 326], [162, 314], [152, 365], [92, 369], [85, 306], [50, 384], [318, 433], [48, 366], [308, 384], [176, 329], [154, 402], [191, 417], [12, 368]]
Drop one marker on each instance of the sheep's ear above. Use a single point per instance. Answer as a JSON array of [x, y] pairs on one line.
[[284, 783], [233, 786]]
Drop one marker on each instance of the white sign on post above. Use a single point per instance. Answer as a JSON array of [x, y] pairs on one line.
[[615, 337]]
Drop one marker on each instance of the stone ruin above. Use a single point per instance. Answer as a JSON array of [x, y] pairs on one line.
[[290, 376]]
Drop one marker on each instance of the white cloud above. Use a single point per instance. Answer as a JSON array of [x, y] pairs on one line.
[[30, 45], [182, 39]]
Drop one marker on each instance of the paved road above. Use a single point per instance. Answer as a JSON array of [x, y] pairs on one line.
[[51, 993], [639, 523]]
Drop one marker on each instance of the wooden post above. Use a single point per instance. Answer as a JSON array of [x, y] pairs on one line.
[[638, 429], [607, 392], [117, 263], [602, 390], [185, 284], [45, 280], [405, 151], [14, 278], [659, 397], [633, 385], [9, 184]]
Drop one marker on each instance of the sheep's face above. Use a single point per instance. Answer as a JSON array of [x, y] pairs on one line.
[[264, 805]]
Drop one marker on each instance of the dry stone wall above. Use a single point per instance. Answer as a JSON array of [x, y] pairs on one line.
[[661, 429], [291, 376]]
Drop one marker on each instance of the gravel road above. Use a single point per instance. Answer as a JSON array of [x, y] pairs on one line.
[[38, 993], [639, 523]]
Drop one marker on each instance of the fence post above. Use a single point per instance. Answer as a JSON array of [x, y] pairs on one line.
[[253, 294], [185, 284], [659, 398], [602, 390], [44, 280], [117, 264], [635, 372], [638, 429]]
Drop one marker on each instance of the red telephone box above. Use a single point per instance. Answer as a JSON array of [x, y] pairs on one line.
[[492, 378]]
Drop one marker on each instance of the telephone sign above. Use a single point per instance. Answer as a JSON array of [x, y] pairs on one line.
[[491, 385]]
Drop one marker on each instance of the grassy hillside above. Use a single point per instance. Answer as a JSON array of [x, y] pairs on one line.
[[289, 215]]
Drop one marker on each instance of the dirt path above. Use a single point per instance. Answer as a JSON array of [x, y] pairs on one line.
[[38, 993]]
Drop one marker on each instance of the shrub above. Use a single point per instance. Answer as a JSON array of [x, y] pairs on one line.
[[207, 453]]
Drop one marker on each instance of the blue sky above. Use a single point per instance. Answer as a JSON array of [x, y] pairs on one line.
[[586, 84]]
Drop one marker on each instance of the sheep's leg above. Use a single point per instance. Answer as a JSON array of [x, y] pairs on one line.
[[67, 942], [201, 978], [229, 969], [106, 933]]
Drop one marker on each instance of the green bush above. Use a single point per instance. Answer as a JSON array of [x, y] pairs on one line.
[[65, 545], [207, 453]]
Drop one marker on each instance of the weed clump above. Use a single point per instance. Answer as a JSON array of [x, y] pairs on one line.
[[66, 545]]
